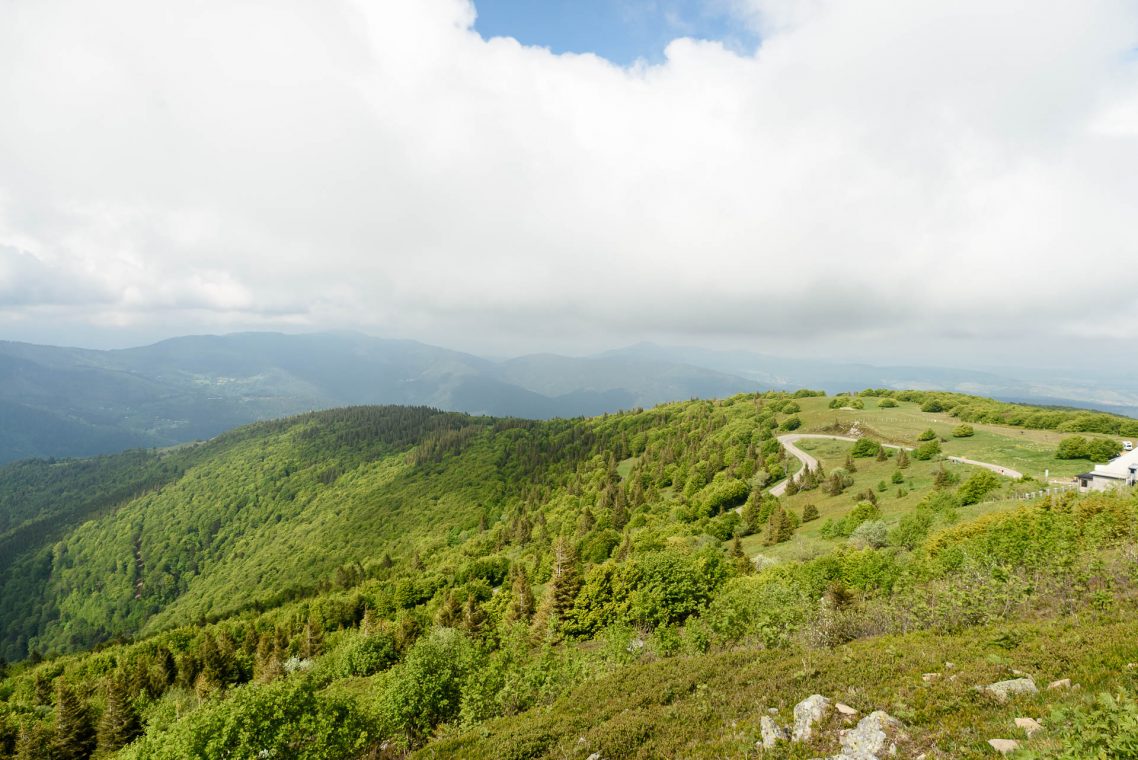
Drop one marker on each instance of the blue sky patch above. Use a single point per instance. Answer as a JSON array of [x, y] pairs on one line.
[[620, 30]]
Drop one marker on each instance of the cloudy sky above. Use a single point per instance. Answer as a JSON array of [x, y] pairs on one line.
[[927, 181]]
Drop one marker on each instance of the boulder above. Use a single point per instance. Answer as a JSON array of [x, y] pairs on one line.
[[809, 711], [876, 734], [1004, 746], [1030, 726], [1062, 683], [772, 732], [844, 709], [1003, 690]]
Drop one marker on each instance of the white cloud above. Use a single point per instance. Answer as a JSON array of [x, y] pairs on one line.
[[877, 170]]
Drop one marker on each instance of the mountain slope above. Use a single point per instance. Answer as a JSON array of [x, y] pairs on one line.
[[72, 402], [369, 580]]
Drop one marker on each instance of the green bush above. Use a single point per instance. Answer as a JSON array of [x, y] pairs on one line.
[[363, 655], [887, 403], [927, 435], [284, 719], [865, 447], [927, 450], [791, 423], [426, 688], [1095, 449], [979, 485], [963, 431]]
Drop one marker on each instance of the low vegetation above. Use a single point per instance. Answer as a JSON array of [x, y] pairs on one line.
[[379, 581]]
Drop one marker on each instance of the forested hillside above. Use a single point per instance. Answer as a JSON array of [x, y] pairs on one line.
[[372, 581]]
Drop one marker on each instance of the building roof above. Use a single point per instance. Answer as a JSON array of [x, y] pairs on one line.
[[1117, 468]]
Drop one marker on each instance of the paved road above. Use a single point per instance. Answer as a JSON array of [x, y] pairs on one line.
[[1007, 472], [787, 442]]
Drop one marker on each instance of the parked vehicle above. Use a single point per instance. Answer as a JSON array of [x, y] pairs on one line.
[[1127, 446]]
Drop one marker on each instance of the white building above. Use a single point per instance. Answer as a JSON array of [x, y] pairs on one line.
[[1122, 471]]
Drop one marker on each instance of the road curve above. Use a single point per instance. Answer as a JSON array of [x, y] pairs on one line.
[[787, 442]]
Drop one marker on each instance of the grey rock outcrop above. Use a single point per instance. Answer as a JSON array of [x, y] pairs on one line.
[[876, 735], [1003, 690], [808, 712], [772, 732]]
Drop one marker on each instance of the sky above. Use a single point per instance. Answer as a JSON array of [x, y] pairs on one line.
[[938, 182]]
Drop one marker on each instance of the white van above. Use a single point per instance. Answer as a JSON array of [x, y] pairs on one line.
[[1127, 446]]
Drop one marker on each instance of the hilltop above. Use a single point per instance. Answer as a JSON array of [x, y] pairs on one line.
[[70, 402], [391, 579]]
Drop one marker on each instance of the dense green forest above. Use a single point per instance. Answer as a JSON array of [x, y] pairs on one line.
[[377, 581]]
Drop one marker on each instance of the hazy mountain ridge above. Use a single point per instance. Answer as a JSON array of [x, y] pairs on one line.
[[78, 402]]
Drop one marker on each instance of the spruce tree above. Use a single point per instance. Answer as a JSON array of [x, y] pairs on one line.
[[902, 459], [119, 723], [35, 741], [521, 603], [74, 729], [561, 591]]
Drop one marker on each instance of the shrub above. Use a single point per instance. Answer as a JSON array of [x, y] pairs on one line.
[[928, 435], [865, 447], [809, 513], [791, 423], [887, 403], [963, 431], [426, 688], [898, 477], [912, 529], [933, 406], [927, 450], [977, 487], [871, 534], [363, 655], [1096, 450]]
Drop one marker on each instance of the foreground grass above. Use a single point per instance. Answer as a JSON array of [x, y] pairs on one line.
[[708, 706]]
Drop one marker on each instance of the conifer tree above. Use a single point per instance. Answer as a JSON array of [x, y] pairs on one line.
[[522, 602], [881, 455], [450, 611], [624, 551], [473, 615], [902, 459], [791, 486], [74, 729], [119, 723], [35, 741], [849, 465], [742, 564], [561, 591]]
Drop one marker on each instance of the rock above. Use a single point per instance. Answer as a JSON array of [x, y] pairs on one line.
[[949, 666], [844, 709], [1030, 726], [929, 677], [1062, 683], [1004, 746], [808, 712], [771, 731], [594, 756], [1002, 690], [772, 710], [876, 734]]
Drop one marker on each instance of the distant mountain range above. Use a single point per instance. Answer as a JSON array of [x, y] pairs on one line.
[[62, 402]]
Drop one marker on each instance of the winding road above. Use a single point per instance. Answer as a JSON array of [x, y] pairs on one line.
[[788, 441]]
